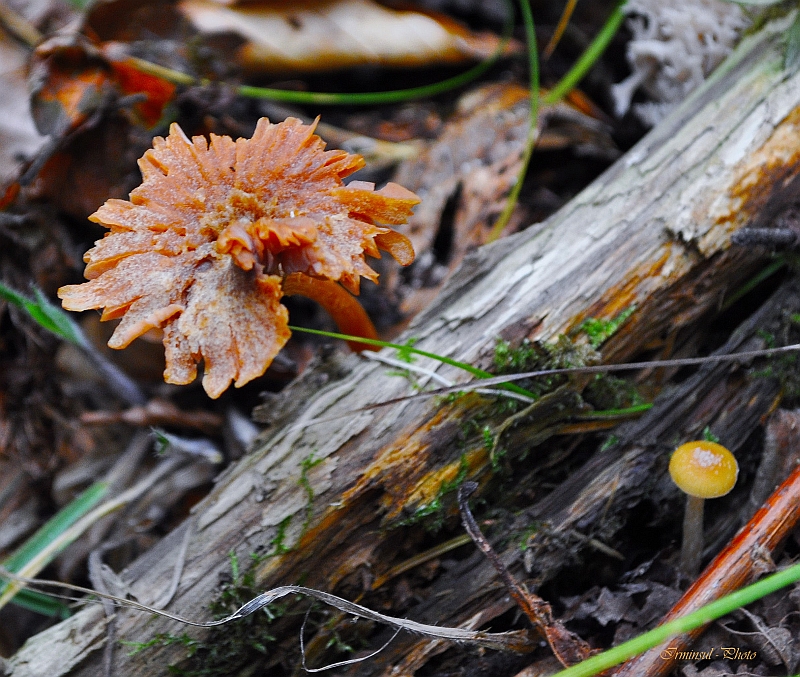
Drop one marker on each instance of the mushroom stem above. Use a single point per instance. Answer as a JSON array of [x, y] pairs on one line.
[[692, 549], [342, 306]]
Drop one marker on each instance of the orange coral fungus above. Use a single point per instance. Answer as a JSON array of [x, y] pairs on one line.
[[202, 248]]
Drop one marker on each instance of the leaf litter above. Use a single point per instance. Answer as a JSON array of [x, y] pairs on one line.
[[309, 36]]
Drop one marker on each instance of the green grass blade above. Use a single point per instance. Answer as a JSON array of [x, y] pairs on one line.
[[791, 61], [409, 349], [778, 264], [405, 349], [696, 619], [533, 122], [43, 604], [63, 324], [54, 527], [73, 521], [44, 313], [589, 57], [616, 413]]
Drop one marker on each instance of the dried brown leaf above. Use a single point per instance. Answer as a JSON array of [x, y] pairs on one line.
[[313, 35]]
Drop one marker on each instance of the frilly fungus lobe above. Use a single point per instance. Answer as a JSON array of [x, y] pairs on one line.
[[203, 247]]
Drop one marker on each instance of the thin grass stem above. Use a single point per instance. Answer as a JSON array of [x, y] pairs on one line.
[[533, 122], [588, 58]]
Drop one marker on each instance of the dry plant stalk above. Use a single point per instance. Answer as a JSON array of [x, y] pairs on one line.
[[203, 247], [513, 640], [567, 647]]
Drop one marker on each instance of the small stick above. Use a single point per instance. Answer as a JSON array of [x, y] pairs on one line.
[[594, 369], [156, 412], [566, 646], [745, 557], [535, 608]]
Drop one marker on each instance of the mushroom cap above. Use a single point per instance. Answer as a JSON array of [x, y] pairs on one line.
[[703, 469]]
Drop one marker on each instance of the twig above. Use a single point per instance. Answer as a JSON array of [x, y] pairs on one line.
[[481, 383], [781, 238], [156, 412], [784, 234], [567, 647]]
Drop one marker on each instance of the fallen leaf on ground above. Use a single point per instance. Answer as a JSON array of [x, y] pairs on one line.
[[327, 34], [19, 138], [78, 99], [70, 82], [130, 80]]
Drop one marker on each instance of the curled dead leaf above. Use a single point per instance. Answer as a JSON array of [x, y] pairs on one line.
[[319, 35]]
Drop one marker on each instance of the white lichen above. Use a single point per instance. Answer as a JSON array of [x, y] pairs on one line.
[[675, 46]]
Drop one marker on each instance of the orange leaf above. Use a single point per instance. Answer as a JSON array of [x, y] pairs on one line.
[[130, 80], [69, 82]]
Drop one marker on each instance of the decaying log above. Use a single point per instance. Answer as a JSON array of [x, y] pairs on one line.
[[327, 497], [591, 508]]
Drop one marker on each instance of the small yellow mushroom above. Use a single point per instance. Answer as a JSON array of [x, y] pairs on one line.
[[701, 470]]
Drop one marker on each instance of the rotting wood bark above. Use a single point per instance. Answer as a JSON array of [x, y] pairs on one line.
[[652, 232]]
